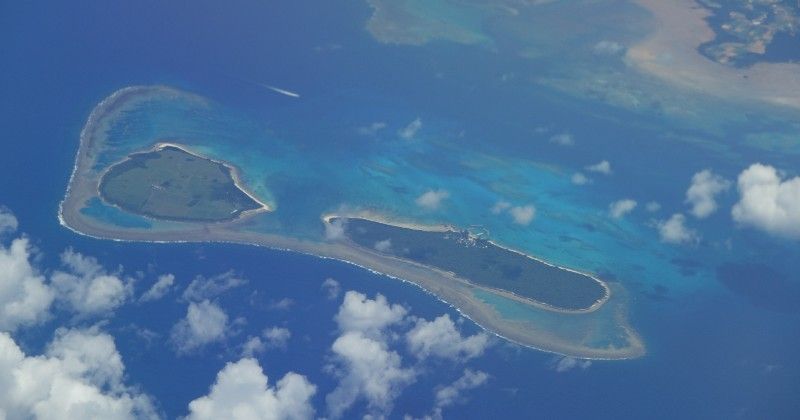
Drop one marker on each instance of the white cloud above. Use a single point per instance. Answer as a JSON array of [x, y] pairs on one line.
[[567, 363], [523, 215], [500, 207], [768, 202], [242, 392], [277, 337], [441, 338], [87, 288], [675, 231], [367, 370], [335, 230], [432, 199], [563, 139], [253, 346], [450, 394], [80, 376], [372, 129], [409, 131], [609, 48], [331, 288], [652, 206], [283, 304], [159, 289], [205, 288], [370, 316], [703, 191], [205, 323], [24, 297], [384, 245], [620, 208], [8, 222], [602, 167], [580, 179]]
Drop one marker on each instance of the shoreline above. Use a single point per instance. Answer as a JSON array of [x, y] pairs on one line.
[[540, 328]]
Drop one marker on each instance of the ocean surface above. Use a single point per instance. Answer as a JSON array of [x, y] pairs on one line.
[[718, 345]]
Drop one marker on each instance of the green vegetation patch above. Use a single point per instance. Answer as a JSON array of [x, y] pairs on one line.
[[481, 262], [172, 184]]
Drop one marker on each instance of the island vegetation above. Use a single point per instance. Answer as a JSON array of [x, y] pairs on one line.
[[170, 183]]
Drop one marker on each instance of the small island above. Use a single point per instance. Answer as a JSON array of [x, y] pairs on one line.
[[171, 183], [481, 262]]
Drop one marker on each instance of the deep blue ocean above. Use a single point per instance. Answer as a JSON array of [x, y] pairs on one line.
[[713, 351]]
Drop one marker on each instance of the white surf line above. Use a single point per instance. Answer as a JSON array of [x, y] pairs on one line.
[[281, 91]]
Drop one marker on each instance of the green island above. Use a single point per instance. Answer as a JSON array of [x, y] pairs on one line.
[[171, 183], [481, 262]]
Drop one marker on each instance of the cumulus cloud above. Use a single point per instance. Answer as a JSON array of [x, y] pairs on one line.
[[652, 206], [242, 391], [675, 231], [500, 207], [384, 245], [450, 394], [622, 207], [522, 215], [283, 304], [768, 202], [205, 323], [8, 222], [608, 48], [87, 288], [567, 363], [580, 179], [563, 139], [335, 230], [370, 316], [159, 289], [372, 129], [441, 338], [271, 338], [79, 376], [332, 288], [206, 288], [25, 298], [602, 167], [432, 199], [367, 370], [410, 131], [702, 193]]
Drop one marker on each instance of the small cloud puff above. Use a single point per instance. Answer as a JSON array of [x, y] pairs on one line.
[[383, 246], [335, 230], [331, 288], [441, 338], [242, 391], [563, 139], [675, 231], [432, 199], [702, 193], [652, 206], [370, 316], [622, 207], [410, 131], [372, 129], [580, 179], [25, 297], [521, 215], [206, 288], [87, 288], [602, 167], [567, 363], [768, 202], [8, 222], [159, 289], [205, 323], [608, 48]]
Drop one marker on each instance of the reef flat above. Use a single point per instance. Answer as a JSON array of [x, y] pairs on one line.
[[171, 183], [582, 318]]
